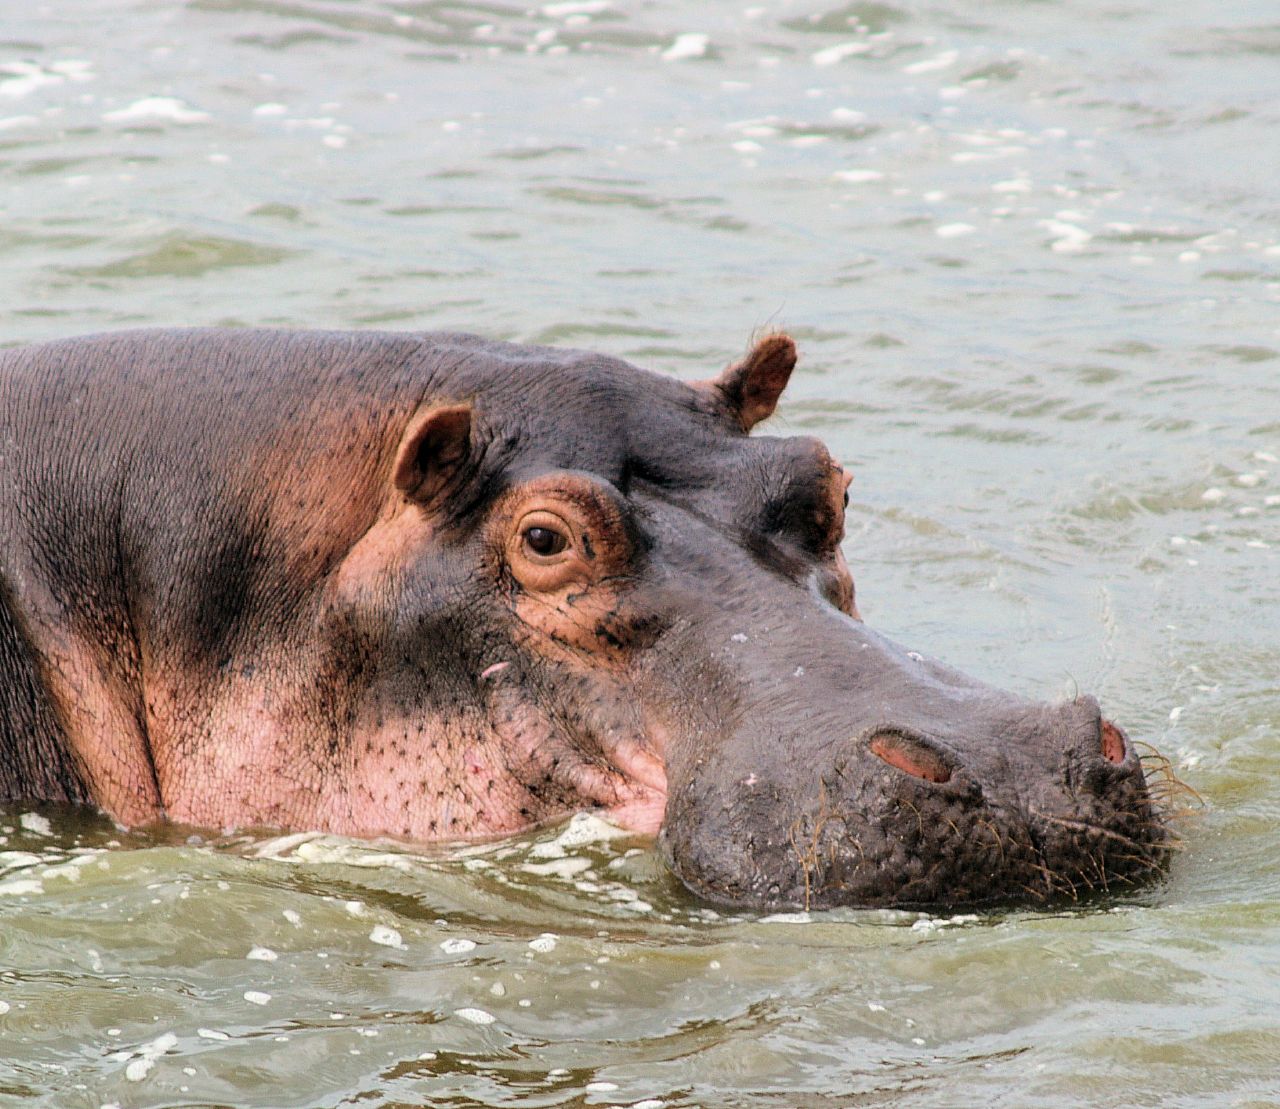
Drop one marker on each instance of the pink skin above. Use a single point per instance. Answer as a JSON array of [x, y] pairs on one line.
[[643, 810], [269, 723], [628, 785], [645, 795]]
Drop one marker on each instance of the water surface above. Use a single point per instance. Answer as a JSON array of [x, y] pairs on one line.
[[1030, 252]]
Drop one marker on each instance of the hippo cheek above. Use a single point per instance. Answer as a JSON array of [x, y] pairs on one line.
[[594, 754], [642, 799]]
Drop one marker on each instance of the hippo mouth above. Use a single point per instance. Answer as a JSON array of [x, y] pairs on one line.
[[902, 818]]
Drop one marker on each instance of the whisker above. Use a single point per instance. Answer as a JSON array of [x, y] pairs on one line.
[[1083, 877], [995, 834], [919, 814], [1058, 883], [1085, 827], [1038, 894]]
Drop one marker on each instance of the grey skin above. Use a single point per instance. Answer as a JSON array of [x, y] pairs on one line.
[[430, 586]]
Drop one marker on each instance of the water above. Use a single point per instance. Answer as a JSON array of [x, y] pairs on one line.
[[1030, 252]]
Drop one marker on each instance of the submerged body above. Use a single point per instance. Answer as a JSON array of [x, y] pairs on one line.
[[431, 586]]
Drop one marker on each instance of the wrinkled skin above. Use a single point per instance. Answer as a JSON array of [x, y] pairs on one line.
[[429, 586]]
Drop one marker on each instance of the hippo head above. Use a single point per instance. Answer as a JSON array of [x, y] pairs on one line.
[[628, 603]]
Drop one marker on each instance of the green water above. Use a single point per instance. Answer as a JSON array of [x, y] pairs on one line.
[[1031, 252]]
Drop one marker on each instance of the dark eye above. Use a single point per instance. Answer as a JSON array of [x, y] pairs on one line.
[[846, 498], [544, 542]]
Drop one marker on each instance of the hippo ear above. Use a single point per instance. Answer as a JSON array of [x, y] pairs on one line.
[[436, 442], [750, 389]]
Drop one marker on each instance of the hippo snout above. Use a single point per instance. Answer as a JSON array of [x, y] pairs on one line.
[[1064, 807], [958, 795], [1086, 738]]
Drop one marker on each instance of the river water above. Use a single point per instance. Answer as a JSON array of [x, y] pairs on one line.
[[1031, 253]]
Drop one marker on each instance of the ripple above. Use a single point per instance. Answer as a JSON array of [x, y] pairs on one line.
[[187, 256]]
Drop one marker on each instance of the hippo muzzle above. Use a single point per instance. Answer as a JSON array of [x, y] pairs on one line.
[[873, 776]]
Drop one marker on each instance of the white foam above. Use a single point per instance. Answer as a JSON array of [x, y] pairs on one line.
[[69, 870], [36, 824], [582, 829], [331, 849], [690, 44], [933, 923], [954, 230], [574, 7], [168, 108], [832, 55], [147, 1055], [474, 1016], [932, 65], [1068, 238], [262, 955], [564, 869], [20, 887], [386, 936], [256, 997], [73, 69], [858, 176], [23, 78], [11, 860], [458, 946]]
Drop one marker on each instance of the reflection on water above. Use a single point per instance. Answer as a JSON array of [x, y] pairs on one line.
[[1031, 256]]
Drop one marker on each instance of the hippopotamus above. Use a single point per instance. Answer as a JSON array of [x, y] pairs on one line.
[[430, 586]]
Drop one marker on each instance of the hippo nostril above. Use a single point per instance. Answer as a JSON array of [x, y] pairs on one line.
[[912, 755], [1113, 745]]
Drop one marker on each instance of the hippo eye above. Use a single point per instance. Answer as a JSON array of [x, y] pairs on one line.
[[846, 498], [544, 542]]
